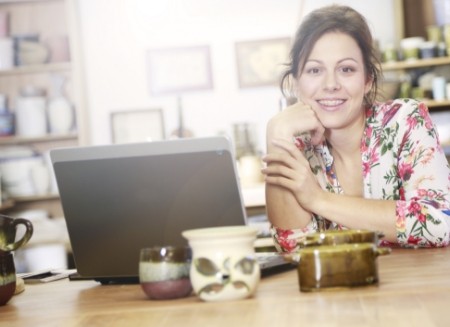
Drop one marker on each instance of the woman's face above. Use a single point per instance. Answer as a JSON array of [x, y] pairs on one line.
[[333, 81]]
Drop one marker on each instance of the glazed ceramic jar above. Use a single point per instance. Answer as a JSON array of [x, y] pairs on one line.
[[164, 272], [337, 266]]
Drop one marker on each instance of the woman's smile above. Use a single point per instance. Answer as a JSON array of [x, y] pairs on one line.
[[331, 104]]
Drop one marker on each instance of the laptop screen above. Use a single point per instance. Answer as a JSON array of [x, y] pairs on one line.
[[118, 199]]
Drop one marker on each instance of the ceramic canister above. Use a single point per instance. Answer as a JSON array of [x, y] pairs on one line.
[[224, 265], [335, 237], [337, 266]]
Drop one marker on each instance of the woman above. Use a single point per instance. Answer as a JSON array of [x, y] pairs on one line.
[[337, 159]]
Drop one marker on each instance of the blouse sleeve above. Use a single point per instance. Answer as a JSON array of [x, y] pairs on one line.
[[422, 210]]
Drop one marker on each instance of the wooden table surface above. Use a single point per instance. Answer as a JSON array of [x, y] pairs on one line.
[[414, 290]]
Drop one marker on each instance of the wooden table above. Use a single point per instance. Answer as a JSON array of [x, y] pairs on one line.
[[414, 290]]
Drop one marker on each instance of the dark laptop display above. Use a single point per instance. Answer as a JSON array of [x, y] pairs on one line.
[[118, 199]]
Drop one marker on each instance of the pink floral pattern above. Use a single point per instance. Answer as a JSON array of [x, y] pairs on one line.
[[402, 160]]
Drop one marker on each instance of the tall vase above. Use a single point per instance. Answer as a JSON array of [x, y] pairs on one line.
[[61, 116]]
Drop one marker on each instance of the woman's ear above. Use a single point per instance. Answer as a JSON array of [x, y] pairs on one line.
[[369, 84]]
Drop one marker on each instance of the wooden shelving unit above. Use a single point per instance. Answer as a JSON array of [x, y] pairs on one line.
[[412, 64], [15, 140], [47, 19], [433, 105], [37, 69]]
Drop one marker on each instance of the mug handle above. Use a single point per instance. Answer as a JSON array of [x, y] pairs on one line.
[[26, 237], [382, 251]]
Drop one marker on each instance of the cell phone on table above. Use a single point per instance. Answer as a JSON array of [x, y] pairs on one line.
[[45, 276]]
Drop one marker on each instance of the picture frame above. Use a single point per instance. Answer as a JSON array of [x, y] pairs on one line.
[[260, 62], [178, 70], [141, 125]]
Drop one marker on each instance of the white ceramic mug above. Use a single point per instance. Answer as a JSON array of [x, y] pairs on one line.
[[224, 265]]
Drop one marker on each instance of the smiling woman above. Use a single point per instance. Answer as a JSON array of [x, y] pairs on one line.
[[338, 159]]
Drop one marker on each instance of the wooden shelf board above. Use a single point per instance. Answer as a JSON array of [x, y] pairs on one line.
[[416, 63], [10, 140], [33, 69], [437, 104], [32, 198]]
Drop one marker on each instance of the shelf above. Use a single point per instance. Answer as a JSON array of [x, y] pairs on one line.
[[37, 69], [416, 63], [437, 104], [11, 140], [32, 198], [6, 204], [6, 2]]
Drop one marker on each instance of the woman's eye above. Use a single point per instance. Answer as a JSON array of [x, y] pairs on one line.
[[347, 69], [313, 70]]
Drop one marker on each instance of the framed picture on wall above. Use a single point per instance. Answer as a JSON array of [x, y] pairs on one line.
[[177, 70], [137, 126], [260, 63]]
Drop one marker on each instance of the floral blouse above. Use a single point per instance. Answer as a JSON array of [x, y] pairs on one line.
[[402, 160]]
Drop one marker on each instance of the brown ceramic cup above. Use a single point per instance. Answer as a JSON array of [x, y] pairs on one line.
[[164, 272]]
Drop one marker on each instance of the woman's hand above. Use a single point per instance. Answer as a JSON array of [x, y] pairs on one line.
[[294, 120], [289, 169]]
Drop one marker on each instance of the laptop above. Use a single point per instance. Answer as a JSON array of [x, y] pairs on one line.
[[120, 198]]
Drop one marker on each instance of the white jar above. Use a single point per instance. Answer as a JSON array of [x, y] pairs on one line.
[[224, 265], [31, 118], [6, 53], [438, 86]]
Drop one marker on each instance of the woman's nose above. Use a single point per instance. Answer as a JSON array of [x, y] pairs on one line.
[[331, 83]]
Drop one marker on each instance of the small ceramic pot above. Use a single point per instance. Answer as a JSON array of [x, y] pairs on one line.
[[224, 265], [335, 237], [337, 266], [164, 272]]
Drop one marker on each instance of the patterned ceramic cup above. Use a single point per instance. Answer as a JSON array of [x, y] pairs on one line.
[[224, 265], [164, 272]]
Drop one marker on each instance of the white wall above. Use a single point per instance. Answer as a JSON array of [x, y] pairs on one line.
[[117, 33]]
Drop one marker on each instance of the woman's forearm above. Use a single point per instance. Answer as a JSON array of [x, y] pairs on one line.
[[358, 213], [283, 210]]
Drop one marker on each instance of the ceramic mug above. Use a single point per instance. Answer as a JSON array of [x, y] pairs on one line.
[[164, 272], [224, 265], [8, 229], [7, 277]]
